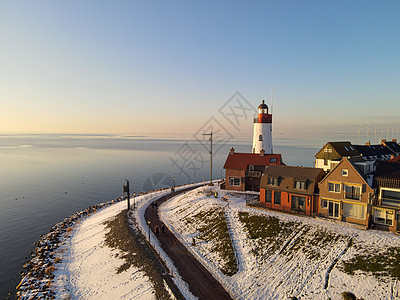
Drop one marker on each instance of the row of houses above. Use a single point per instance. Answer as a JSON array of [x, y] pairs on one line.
[[350, 183]]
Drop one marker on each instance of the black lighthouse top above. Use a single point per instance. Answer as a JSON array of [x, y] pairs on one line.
[[263, 105]]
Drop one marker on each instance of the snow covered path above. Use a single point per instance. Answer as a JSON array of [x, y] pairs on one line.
[[88, 268]]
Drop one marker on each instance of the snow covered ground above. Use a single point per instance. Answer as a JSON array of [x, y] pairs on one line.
[[88, 267], [302, 258]]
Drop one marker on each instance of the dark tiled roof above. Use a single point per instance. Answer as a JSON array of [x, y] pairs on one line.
[[373, 150], [240, 161], [342, 149], [287, 175], [387, 174], [393, 146]]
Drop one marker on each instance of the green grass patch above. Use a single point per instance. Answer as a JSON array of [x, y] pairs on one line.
[[380, 263], [212, 227], [267, 232]]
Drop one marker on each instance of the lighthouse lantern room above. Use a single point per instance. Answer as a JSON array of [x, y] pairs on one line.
[[262, 138]]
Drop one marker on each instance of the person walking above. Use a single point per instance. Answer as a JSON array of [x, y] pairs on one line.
[[157, 230], [162, 229]]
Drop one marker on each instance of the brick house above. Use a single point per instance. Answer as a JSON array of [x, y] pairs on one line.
[[291, 189], [346, 193], [386, 208], [243, 170]]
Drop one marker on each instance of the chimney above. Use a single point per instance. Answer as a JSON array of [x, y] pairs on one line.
[[394, 140], [232, 151], [383, 141], [391, 156], [262, 152], [368, 143]]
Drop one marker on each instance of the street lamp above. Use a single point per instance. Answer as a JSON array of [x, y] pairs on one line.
[[148, 223]]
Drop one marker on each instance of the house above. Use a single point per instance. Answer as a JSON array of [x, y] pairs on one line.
[[243, 170], [346, 193], [374, 152], [386, 209], [393, 146], [291, 189], [332, 153]]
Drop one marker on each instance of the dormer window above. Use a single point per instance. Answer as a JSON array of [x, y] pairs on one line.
[[300, 185], [272, 181], [251, 167], [272, 160]]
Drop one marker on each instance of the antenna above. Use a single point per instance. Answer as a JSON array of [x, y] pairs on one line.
[[272, 99]]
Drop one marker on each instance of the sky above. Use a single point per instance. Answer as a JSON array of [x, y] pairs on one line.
[[161, 68]]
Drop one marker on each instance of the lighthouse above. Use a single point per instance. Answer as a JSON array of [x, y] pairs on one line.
[[262, 138]]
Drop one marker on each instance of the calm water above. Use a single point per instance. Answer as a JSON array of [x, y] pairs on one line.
[[45, 178]]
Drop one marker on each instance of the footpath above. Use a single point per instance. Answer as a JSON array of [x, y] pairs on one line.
[[201, 283]]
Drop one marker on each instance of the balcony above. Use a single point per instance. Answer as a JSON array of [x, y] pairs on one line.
[[253, 174]]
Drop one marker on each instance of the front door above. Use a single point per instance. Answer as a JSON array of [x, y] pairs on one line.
[[333, 209], [398, 221]]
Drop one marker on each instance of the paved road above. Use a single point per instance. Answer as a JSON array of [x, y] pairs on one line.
[[201, 283]]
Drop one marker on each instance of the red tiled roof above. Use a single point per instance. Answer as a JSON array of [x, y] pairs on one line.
[[395, 159], [240, 161]]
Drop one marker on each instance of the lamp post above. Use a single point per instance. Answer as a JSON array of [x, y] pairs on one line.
[[148, 223], [134, 202], [210, 134], [126, 190]]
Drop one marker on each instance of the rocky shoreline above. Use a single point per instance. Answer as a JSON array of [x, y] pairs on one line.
[[38, 271], [37, 277]]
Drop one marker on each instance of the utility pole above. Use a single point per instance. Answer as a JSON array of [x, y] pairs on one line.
[[126, 190], [210, 134]]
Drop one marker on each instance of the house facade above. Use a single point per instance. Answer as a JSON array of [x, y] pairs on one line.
[[291, 189], [243, 170], [331, 154], [346, 194], [386, 209]]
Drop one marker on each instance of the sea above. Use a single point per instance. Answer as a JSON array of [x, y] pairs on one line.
[[44, 178]]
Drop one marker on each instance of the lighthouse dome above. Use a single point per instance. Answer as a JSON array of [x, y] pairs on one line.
[[263, 105]]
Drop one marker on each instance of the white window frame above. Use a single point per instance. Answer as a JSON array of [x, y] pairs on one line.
[[345, 172], [233, 181], [335, 185], [385, 215]]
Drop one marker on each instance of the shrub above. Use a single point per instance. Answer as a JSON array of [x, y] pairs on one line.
[[348, 296]]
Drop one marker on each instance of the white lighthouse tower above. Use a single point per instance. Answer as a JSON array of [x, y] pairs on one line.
[[262, 138]]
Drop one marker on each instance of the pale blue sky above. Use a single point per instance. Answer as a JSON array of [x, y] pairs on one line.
[[166, 67]]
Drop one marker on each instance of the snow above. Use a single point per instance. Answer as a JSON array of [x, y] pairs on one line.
[[88, 267], [282, 274]]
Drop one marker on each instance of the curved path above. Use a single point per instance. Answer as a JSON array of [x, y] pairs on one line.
[[201, 283]]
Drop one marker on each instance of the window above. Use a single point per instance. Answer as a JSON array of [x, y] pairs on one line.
[[333, 209], [268, 196], [272, 181], [298, 203], [345, 172], [260, 137], [324, 203], [330, 150], [273, 160], [325, 162], [277, 197], [325, 150], [251, 167], [390, 197], [334, 187], [355, 211], [234, 181], [352, 192], [384, 216], [300, 185]]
